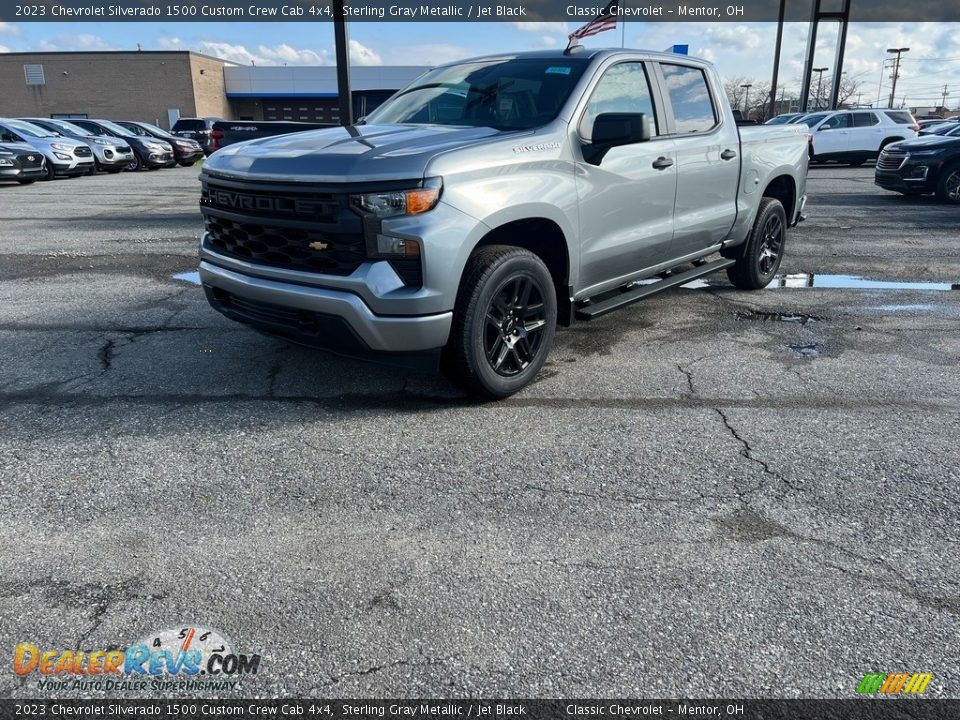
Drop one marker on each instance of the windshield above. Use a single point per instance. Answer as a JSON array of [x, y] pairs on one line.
[[812, 119], [502, 94], [69, 128], [29, 129], [114, 129], [156, 131]]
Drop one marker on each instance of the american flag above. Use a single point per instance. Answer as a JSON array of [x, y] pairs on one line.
[[606, 20]]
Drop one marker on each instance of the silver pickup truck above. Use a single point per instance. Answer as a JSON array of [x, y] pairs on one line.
[[492, 200]]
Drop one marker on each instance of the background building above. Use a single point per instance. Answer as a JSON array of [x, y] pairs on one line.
[[160, 86]]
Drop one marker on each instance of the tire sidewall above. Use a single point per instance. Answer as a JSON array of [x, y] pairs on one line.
[[475, 322], [772, 208], [942, 185]]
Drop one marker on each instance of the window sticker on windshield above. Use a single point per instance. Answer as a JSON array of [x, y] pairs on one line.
[[558, 70]]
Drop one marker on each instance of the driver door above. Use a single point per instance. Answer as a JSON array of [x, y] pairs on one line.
[[627, 198], [833, 135]]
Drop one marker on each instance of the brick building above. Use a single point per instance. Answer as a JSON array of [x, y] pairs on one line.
[[159, 86]]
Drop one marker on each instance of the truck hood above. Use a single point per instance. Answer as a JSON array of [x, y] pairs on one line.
[[356, 154]]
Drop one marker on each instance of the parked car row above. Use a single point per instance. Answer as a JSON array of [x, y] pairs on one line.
[[82, 146]]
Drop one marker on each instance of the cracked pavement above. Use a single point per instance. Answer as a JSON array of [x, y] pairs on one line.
[[681, 505]]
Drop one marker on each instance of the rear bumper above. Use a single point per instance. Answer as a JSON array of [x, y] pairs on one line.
[[334, 320]]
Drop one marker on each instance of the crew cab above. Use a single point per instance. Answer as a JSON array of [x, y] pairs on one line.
[[491, 201]]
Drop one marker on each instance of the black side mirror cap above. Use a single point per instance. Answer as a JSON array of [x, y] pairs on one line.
[[612, 130]]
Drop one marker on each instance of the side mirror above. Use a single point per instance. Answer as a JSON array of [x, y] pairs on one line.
[[614, 129]]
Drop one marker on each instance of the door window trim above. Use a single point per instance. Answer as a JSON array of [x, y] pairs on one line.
[[652, 84], [718, 118]]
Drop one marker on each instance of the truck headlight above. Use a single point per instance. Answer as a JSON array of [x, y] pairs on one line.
[[6, 163], [391, 203]]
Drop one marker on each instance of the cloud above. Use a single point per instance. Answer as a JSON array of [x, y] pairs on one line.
[[81, 41], [9, 29], [362, 55], [541, 27], [4, 49], [281, 54]]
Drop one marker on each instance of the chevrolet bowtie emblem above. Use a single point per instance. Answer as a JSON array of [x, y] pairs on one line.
[[319, 245]]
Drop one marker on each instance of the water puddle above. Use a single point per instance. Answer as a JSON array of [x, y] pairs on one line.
[[190, 277], [788, 317], [810, 350], [854, 282]]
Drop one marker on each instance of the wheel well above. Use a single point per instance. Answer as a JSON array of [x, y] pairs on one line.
[[545, 239], [889, 140], [783, 189]]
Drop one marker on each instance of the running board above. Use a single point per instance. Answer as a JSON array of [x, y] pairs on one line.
[[595, 310]]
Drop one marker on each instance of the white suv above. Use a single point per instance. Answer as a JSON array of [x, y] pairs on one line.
[[855, 136]]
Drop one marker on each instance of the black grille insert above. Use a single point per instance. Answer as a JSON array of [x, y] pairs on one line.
[[304, 230], [82, 151]]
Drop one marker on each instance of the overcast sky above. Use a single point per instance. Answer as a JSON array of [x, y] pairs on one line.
[[737, 49]]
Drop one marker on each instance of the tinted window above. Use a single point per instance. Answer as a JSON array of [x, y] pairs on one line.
[[624, 88], [900, 117], [135, 129], [90, 127], [502, 94], [841, 120], [690, 98], [182, 124], [865, 119]]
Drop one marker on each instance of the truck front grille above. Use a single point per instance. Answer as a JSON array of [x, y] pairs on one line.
[[284, 227], [82, 151], [891, 160]]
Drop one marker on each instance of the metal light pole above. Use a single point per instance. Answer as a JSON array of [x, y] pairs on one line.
[[746, 101], [345, 100], [896, 71], [820, 72]]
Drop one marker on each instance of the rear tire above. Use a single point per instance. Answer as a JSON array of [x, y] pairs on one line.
[[29, 181], [948, 189], [758, 259], [856, 163], [504, 322]]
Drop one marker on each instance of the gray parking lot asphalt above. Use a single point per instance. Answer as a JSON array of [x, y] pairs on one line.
[[711, 493]]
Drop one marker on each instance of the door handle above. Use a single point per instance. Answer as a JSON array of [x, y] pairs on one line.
[[662, 163], [728, 154]]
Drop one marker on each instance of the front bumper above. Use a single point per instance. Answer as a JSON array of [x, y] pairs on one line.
[[75, 166], [19, 173], [188, 156], [335, 320], [159, 159], [906, 180], [112, 157]]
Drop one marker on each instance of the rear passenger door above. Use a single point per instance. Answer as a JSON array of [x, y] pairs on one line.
[[708, 158], [867, 132]]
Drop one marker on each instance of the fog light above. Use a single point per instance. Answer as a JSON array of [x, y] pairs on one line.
[[920, 172], [62, 156], [398, 247], [108, 154]]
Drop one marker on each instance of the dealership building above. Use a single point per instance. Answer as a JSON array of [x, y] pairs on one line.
[[160, 86]]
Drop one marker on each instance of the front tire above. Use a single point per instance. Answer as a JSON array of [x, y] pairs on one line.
[[28, 181], [49, 172], [948, 189], [135, 164], [504, 322], [758, 259]]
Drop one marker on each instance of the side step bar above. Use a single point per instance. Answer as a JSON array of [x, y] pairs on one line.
[[595, 310]]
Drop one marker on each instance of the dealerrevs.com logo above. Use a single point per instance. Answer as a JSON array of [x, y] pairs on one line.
[[184, 658]]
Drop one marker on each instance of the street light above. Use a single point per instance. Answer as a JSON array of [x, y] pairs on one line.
[[896, 71], [746, 101], [820, 72]]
